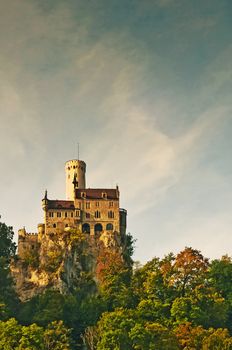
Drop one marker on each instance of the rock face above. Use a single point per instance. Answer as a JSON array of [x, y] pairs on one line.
[[61, 262]]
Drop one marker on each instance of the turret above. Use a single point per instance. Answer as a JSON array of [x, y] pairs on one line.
[[22, 232], [123, 219], [41, 231], [45, 201], [75, 177]]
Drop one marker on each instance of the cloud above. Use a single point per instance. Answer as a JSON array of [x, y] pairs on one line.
[[133, 85]]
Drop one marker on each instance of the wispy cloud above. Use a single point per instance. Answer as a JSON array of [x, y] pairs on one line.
[[144, 91]]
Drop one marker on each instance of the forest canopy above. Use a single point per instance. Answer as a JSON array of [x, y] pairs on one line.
[[181, 301]]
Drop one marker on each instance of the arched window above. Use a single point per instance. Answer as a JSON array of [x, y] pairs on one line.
[[54, 225], [98, 228], [109, 227], [85, 228]]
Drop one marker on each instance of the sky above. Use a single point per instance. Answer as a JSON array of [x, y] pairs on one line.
[[145, 88]]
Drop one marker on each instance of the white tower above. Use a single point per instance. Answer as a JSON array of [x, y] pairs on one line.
[[74, 169]]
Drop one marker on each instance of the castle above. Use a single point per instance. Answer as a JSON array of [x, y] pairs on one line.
[[92, 211]]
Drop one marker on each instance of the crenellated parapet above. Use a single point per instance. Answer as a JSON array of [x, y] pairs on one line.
[[27, 242]]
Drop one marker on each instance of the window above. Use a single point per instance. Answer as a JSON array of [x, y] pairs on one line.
[[58, 214], [51, 214], [85, 228], [104, 195], [97, 214], [79, 205], [87, 205], [87, 215], [111, 204], [98, 228], [97, 204], [71, 214], [109, 227], [78, 213], [54, 225], [66, 225], [66, 214], [83, 194], [110, 214]]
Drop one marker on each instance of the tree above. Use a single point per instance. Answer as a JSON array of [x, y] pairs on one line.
[[10, 334], [7, 247], [203, 307], [114, 328], [220, 276], [190, 337], [90, 338], [8, 298], [189, 270], [152, 336], [48, 307], [32, 338], [57, 336], [152, 281], [114, 278], [218, 339]]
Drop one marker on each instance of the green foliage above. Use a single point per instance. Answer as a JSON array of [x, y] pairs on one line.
[[32, 338], [128, 251], [124, 329], [53, 259], [31, 258], [56, 336], [10, 334], [114, 328], [7, 247], [182, 301], [49, 307], [152, 336], [8, 298], [14, 336]]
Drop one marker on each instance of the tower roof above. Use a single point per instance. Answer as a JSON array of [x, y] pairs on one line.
[[60, 204], [97, 193]]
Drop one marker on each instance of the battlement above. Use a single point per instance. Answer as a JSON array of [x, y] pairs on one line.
[[27, 242], [75, 164], [23, 233]]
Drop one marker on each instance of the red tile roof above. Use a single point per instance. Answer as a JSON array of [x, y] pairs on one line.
[[97, 193], [90, 193], [60, 204]]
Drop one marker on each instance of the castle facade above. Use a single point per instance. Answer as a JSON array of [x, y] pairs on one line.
[[93, 211]]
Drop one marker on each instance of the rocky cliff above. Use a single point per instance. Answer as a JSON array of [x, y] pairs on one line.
[[62, 262]]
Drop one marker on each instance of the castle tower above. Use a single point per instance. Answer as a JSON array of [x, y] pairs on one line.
[[75, 175]]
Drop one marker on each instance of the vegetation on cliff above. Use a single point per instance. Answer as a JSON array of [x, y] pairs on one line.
[[181, 301]]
